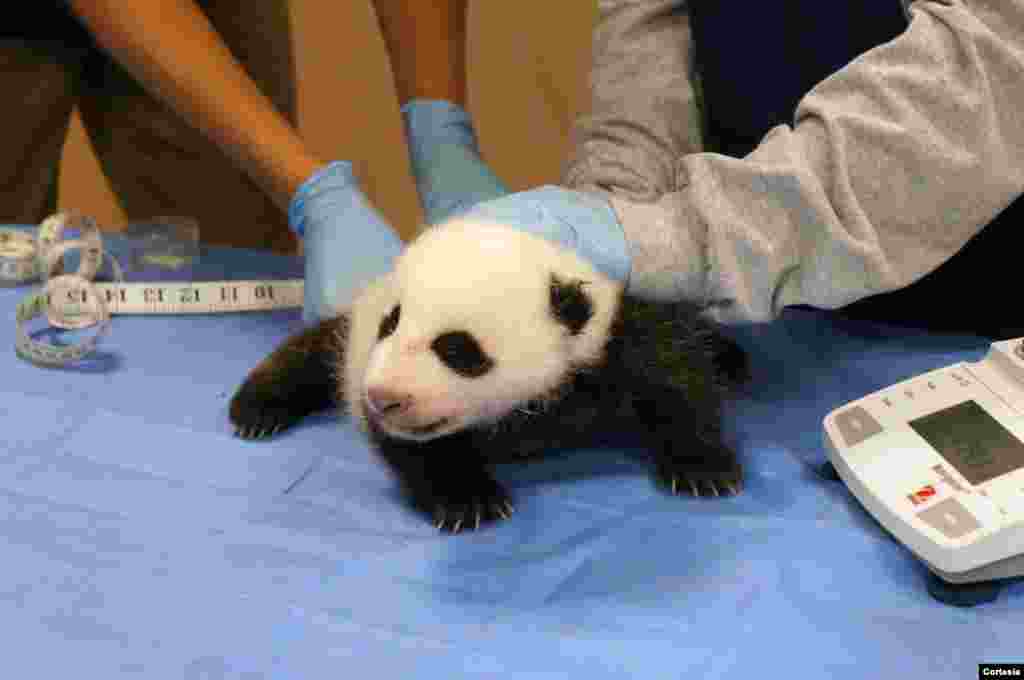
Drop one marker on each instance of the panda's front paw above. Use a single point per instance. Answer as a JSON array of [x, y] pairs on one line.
[[701, 470], [258, 413], [467, 506]]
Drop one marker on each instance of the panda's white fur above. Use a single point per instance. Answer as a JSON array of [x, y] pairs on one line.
[[493, 282], [492, 323]]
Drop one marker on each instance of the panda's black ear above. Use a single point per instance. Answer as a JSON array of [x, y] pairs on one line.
[[570, 304]]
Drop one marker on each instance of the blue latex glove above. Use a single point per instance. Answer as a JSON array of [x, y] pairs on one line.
[[450, 175], [581, 221], [347, 242], [452, 179]]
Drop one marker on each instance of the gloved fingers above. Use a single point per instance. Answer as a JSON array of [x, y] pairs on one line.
[[450, 174], [341, 259], [583, 222], [346, 241]]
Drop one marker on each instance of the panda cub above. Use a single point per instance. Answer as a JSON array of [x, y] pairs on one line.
[[486, 344]]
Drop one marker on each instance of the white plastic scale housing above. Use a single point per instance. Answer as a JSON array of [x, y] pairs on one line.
[[939, 461]]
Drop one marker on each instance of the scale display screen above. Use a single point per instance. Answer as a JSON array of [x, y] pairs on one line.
[[972, 441]]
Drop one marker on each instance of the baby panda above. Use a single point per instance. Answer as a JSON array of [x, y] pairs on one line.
[[487, 344]]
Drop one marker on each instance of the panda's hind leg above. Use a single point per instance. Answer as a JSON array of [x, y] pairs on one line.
[[689, 454], [679, 368], [298, 378], [698, 467]]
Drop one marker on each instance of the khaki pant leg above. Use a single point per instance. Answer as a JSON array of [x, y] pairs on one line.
[[157, 164], [39, 87]]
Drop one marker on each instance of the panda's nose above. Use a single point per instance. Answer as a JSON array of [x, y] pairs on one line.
[[384, 400]]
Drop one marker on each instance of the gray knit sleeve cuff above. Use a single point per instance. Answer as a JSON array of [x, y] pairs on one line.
[[667, 247]]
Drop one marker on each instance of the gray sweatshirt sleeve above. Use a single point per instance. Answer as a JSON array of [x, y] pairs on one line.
[[644, 109], [890, 167]]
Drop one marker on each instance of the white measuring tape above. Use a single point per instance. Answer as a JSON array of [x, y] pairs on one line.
[[74, 301]]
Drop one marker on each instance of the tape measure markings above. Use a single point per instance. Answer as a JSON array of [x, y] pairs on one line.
[[75, 301], [45, 354], [193, 297]]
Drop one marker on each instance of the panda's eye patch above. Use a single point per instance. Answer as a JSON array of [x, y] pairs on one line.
[[389, 323], [461, 352], [570, 304]]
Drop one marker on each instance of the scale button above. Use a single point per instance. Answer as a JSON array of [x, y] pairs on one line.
[[947, 478], [951, 518], [856, 424]]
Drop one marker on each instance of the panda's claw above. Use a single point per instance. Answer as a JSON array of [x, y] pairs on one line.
[[258, 415], [439, 517], [709, 470], [251, 432], [467, 505]]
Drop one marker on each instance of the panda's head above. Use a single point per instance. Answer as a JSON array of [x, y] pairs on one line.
[[475, 321]]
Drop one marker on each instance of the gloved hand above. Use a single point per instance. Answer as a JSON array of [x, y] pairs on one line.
[[452, 179], [450, 175], [347, 242], [581, 221]]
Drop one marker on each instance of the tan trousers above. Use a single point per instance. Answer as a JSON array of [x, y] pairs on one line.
[[156, 163]]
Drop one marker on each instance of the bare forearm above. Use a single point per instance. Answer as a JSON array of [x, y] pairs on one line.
[[174, 52], [427, 45]]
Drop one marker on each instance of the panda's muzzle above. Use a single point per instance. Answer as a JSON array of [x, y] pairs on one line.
[[382, 425], [386, 403], [429, 429], [392, 412]]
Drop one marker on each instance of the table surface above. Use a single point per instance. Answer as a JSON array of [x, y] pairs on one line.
[[140, 539]]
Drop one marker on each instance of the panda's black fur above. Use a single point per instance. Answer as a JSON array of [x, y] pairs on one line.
[[663, 374]]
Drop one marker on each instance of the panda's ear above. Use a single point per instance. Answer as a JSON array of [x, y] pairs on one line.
[[570, 304]]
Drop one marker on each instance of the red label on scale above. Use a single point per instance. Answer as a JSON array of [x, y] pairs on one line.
[[922, 494]]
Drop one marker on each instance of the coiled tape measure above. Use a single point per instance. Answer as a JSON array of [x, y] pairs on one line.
[[75, 301]]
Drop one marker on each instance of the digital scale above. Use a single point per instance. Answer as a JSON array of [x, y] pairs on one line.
[[939, 461]]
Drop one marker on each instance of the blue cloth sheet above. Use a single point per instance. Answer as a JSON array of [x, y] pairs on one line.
[[140, 539]]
